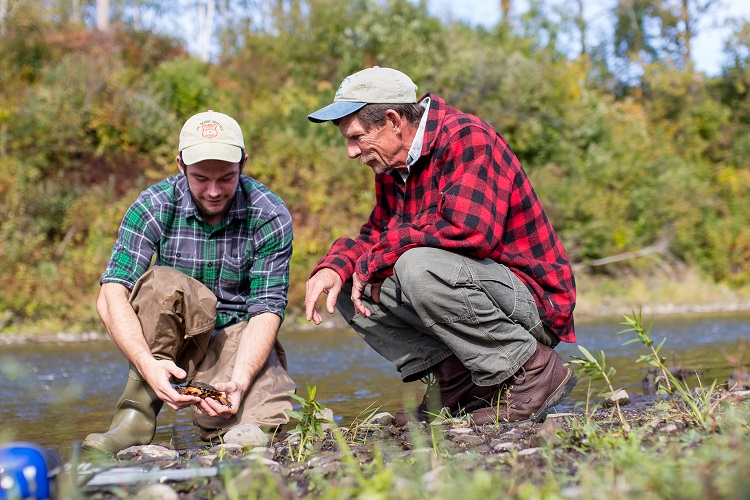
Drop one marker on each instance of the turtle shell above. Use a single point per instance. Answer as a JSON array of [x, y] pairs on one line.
[[203, 391]]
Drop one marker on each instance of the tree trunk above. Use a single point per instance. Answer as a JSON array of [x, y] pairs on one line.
[[687, 36], [102, 15], [206, 23], [505, 11], [3, 16], [581, 23]]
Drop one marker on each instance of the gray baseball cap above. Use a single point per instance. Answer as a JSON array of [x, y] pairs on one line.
[[374, 85]]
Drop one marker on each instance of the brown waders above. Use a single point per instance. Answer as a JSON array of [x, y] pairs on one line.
[[177, 316]]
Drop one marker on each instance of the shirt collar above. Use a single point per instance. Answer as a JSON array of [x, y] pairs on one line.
[[415, 151]]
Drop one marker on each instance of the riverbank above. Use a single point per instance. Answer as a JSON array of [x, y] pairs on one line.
[[686, 294], [696, 443], [652, 448]]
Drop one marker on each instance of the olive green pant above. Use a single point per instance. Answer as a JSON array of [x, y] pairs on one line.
[[178, 314]]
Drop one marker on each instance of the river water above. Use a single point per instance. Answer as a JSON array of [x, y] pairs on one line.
[[55, 394]]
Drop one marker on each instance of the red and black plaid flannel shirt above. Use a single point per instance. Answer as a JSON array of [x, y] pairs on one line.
[[467, 194]]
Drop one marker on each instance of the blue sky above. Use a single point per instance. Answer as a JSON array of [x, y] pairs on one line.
[[707, 46]]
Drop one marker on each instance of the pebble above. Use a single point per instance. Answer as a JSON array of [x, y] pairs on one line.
[[247, 436], [157, 492]]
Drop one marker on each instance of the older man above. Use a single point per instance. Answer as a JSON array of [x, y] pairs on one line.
[[458, 271]]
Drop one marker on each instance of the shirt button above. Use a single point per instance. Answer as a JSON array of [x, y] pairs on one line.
[[179, 254], [210, 264]]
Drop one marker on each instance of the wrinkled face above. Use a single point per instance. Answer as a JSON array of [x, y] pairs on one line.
[[212, 186], [378, 148]]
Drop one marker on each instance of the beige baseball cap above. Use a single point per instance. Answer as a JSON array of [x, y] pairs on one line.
[[211, 136], [374, 85]]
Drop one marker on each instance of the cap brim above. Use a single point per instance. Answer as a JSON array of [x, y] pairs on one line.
[[335, 111], [211, 151]]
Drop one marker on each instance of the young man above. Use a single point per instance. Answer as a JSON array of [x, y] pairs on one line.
[[210, 307], [457, 272]]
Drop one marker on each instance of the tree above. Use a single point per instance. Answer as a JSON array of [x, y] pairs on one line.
[[102, 15], [649, 31]]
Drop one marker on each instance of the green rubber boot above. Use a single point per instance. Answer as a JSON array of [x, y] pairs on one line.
[[134, 422]]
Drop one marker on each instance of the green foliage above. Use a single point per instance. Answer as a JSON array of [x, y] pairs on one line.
[[595, 367], [184, 86], [699, 406], [87, 120], [310, 424]]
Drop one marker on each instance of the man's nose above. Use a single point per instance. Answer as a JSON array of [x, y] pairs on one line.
[[352, 149], [213, 189]]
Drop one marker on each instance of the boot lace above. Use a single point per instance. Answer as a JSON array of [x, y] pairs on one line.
[[520, 376]]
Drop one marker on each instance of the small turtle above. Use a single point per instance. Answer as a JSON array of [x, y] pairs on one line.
[[203, 391]]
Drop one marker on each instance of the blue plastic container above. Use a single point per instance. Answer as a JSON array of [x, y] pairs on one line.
[[28, 471]]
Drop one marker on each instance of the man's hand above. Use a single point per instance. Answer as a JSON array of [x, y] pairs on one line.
[[325, 281], [157, 373], [358, 289], [213, 408]]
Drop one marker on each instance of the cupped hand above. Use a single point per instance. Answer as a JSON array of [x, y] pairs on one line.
[[214, 408], [158, 373]]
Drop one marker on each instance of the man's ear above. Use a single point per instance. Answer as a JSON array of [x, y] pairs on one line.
[[180, 165], [243, 163], [393, 120]]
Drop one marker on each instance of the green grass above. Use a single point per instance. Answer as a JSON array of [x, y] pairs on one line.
[[689, 443]]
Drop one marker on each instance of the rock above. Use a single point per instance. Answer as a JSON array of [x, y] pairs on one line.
[[157, 492], [560, 415], [264, 461], [247, 436], [148, 452], [326, 464], [547, 434], [738, 381], [431, 479], [206, 460], [459, 431], [326, 414], [502, 446], [383, 418], [226, 448], [529, 451], [262, 452], [669, 428], [621, 397], [513, 432], [227, 451], [738, 396], [324, 459], [249, 482], [468, 440]]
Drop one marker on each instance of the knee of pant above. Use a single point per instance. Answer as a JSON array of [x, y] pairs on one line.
[[413, 264], [416, 274]]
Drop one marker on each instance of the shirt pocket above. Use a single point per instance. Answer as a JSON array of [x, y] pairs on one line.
[[182, 261], [234, 277]]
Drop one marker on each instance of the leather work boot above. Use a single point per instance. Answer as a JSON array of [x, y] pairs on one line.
[[134, 422], [541, 383], [452, 389]]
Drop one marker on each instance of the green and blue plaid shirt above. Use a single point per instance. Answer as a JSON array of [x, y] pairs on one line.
[[244, 260]]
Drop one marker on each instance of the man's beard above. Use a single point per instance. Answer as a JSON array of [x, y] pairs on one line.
[[210, 213], [379, 167]]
